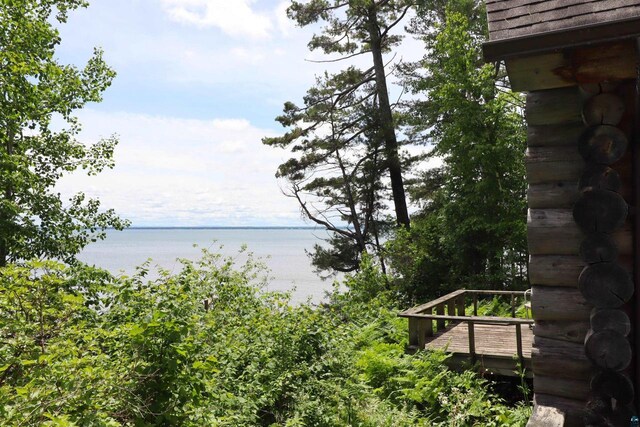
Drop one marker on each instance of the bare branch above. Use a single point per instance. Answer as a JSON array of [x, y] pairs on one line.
[[397, 21], [326, 61]]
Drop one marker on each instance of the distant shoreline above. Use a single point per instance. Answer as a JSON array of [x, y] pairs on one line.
[[224, 228]]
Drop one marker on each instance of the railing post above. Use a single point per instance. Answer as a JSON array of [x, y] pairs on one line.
[[414, 332], [451, 309], [428, 324], [461, 307], [519, 342], [419, 330], [440, 322], [475, 304], [513, 305], [472, 341]]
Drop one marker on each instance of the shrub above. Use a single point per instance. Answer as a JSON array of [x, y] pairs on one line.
[[80, 347]]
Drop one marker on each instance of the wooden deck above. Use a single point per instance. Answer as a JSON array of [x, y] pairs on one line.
[[493, 344], [496, 347]]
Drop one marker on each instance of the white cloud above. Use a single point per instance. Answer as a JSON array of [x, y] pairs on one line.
[[234, 17], [248, 56], [172, 171], [285, 25]]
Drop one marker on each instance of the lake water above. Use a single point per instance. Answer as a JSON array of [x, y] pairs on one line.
[[282, 250]]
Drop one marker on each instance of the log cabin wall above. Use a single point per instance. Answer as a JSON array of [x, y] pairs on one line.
[[561, 369], [579, 171], [577, 62]]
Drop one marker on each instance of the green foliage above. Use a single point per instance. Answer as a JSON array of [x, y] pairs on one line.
[[36, 91], [471, 231], [336, 174], [207, 345], [499, 307], [345, 135], [53, 371], [354, 19], [80, 347]]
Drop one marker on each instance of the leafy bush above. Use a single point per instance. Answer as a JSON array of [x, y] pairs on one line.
[[79, 347]]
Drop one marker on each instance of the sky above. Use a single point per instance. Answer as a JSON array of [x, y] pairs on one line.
[[199, 84]]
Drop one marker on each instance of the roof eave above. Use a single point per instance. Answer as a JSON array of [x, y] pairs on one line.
[[561, 39]]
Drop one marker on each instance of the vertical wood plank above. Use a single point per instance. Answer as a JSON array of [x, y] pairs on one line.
[[428, 324], [472, 341], [475, 304], [414, 332], [440, 311], [519, 342], [461, 307], [451, 309]]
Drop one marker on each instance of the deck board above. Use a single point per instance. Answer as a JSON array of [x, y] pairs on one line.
[[496, 348], [491, 340]]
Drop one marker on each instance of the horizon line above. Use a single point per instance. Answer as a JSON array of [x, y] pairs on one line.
[[218, 227]]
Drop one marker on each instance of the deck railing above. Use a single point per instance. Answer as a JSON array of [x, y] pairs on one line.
[[422, 317]]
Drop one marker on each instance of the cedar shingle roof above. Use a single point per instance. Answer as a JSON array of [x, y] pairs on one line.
[[517, 18]]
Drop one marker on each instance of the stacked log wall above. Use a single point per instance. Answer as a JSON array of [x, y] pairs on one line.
[[554, 166], [565, 181], [606, 282]]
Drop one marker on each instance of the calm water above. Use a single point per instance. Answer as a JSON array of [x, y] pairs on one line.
[[122, 251]]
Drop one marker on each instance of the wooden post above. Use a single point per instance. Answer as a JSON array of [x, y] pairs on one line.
[[461, 307], [422, 326], [414, 332], [475, 304], [428, 324], [440, 323], [451, 309], [519, 343], [513, 306], [419, 330], [472, 341]]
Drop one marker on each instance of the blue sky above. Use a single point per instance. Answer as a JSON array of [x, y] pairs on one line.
[[199, 84]]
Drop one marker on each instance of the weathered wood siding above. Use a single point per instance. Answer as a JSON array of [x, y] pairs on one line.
[[563, 175], [580, 66], [554, 167], [517, 18]]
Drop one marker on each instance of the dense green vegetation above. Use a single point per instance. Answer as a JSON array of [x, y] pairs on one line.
[[80, 347], [206, 346], [470, 230], [469, 226], [36, 91]]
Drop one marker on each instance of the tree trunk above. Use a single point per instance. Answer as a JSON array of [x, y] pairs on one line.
[[352, 205], [387, 124]]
